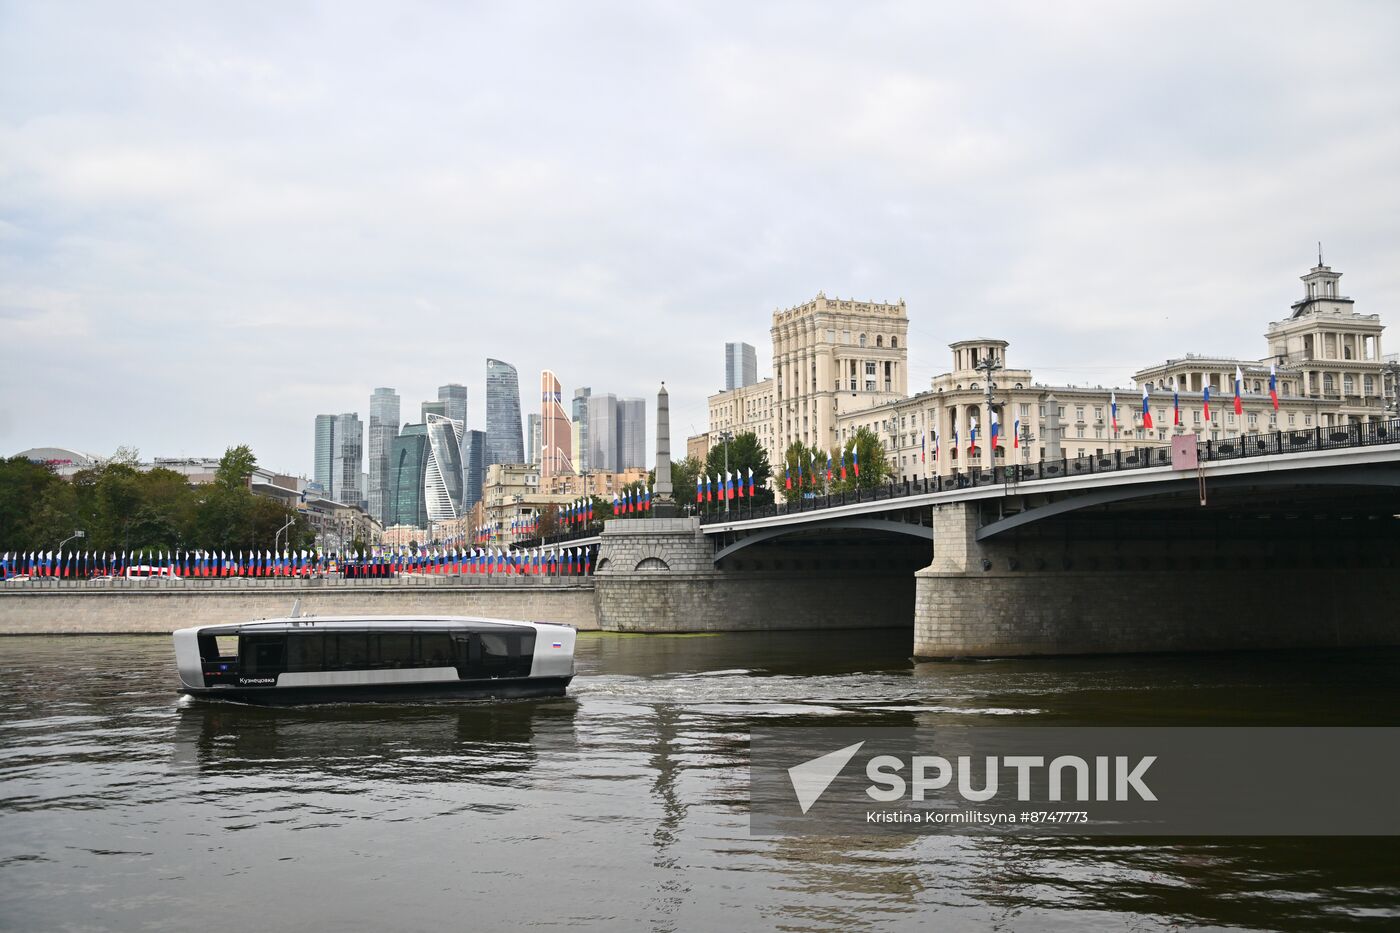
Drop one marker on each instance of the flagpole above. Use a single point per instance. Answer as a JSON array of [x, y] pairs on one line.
[[726, 437]]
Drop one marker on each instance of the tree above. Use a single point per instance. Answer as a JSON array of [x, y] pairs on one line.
[[874, 465], [548, 522], [23, 485], [683, 474], [745, 453], [235, 466], [805, 467]]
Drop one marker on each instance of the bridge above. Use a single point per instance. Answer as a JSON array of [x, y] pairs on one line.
[[1282, 540]]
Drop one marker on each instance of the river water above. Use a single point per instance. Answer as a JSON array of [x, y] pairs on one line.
[[624, 805]]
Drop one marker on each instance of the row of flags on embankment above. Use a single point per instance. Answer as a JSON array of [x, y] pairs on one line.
[[542, 561]]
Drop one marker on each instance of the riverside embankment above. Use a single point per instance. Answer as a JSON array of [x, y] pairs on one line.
[[153, 606]]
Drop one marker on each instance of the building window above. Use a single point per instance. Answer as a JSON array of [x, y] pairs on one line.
[[1195, 417], [1079, 430], [1369, 385], [1042, 411], [1098, 432], [1253, 420], [1328, 384], [1348, 384], [894, 342], [1230, 418], [1098, 414], [1291, 419], [879, 340], [1025, 410], [862, 340], [1079, 413], [1307, 421]]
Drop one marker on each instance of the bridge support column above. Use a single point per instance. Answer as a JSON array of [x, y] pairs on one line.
[[653, 575], [1000, 598]]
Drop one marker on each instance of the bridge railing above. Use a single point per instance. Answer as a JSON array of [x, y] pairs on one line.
[[1246, 445]]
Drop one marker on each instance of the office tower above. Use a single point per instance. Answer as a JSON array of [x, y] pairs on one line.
[[454, 400], [631, 433], [383, 428], [408, 461], [340, 457], [532, 431], [556, 438], [347, 463], [580, 428], [740, 366], [473, 468], [325, 451], [602, 432], [442, 477], [432, 408], [503, 437]]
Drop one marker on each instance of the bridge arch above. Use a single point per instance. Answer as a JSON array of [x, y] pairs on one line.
[[1354, 476], [854, 523]]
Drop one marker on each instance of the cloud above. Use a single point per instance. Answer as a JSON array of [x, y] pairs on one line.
[[256, 215]]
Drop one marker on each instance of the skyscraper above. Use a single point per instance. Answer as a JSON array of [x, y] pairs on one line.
[[503, 437], [631, 433], [580, 428], [408, 461], [383, 428], [347, 464], [432, 408], [454, 402], [325, 451], [442, 477], [473, 468], [556, 436], [340, 457], [740, 366], [602, 432], [532, 433]]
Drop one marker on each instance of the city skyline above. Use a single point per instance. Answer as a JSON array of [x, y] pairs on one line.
[[168, 192]]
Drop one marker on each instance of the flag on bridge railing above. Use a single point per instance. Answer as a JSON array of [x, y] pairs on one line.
[[1239, 387], [1113, 411], [972, 435], [787, 476], [996, 432], [1176, 402], [1205, 400], [855, 458], [1015, 434], [843, 464], [1146, 412], [1273, 386]]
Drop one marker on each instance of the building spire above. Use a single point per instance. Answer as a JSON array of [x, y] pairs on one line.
[[1319, 252]]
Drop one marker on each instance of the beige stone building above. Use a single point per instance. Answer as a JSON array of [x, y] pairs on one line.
[[697, 447], [832, 357], [1327, 361], [600, 483], [749, 408]]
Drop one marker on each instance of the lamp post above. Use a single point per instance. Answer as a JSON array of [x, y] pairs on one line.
[[76, 534], [988, 367]]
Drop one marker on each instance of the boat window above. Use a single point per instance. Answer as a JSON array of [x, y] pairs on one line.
[[392, 650], [497, 649], [262, 655], [347, 651], [306, 652], [436, 649]]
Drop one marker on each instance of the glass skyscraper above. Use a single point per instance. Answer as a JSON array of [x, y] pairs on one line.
[[740, 366], [383, 428], [631, 433], [602, 432], [408, 463], [454, 402], [473, 468], [442, 477], [340, 457], [504, 440], [532, 431], [581, 428]]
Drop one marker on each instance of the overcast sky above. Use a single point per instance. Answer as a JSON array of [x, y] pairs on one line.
[[217, 220]]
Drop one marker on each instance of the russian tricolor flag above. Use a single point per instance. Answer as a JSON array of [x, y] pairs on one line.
[[1146, 414], [1113, 410], [1273, 386], [1176, 402], [1239, 403], [1205, 400], [996, 432]]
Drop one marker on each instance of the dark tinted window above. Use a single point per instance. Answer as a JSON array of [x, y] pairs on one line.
[[392, 650], [262, 655], [306, 652], [436, 649]]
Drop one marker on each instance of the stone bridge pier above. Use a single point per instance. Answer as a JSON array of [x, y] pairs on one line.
[[660, 575], [1171, 579]]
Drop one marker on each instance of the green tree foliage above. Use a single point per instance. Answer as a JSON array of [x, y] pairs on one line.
[[874, 465], [806, 466], [122, 508], [683, 474], [745, 453]]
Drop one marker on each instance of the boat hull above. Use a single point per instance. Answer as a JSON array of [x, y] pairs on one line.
[[513, 688]]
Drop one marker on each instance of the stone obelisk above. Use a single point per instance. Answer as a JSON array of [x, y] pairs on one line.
[[663, 501]]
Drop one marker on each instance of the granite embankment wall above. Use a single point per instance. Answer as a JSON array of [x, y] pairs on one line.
[[81, 608]]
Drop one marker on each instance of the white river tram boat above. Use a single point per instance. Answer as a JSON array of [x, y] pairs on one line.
[[374, 658]]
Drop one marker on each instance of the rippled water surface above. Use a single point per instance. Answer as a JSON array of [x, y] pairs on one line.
[[624, 805]]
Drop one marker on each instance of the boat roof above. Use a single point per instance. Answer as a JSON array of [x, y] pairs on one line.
[[366, 623]]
